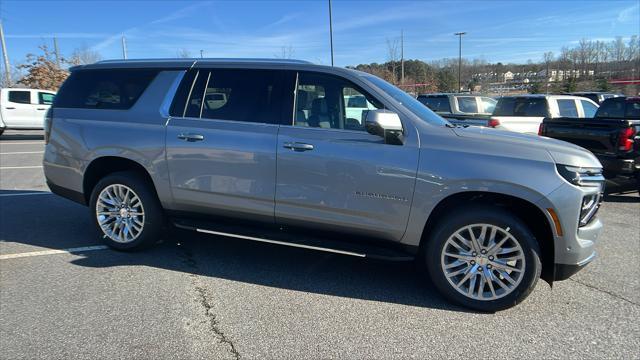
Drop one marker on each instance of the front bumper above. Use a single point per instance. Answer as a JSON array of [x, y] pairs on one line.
[[575, 247]]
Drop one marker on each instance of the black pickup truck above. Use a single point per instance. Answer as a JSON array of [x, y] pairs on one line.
[[613, 135]]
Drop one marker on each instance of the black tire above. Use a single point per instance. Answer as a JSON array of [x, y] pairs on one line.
[[491, 215], [153, 214]]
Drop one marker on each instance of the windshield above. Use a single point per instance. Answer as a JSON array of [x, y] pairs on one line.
[[409, 102]]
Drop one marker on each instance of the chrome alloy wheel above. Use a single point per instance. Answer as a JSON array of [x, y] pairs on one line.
[[483, 261], [120, 213]]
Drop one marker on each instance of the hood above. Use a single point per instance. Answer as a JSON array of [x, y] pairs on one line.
[[561, 152]]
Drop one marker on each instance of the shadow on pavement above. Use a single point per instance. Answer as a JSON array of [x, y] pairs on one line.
[[621, 191], [52, 222]]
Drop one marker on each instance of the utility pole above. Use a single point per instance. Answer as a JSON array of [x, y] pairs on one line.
[[56, 51], [201, 54], [7, 69], [402, 56], [331, 32], [124, 48], [459, 34]]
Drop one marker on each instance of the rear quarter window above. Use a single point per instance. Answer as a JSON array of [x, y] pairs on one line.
[[534, 107], [436, 103], [20, 97], [113, 89]]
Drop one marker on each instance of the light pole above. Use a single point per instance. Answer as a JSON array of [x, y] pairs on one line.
[[331, 32], [459, 34]]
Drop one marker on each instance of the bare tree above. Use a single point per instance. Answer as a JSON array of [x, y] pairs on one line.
[[84, 55], [393, 56], [286, 52], [183, 53]]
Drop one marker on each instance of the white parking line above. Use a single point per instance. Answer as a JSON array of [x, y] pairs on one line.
[[23, 143], [53, 252], [20, 167], [26, 194], [22, 152]]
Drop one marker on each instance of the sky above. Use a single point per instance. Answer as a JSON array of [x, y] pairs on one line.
[[505, 31]]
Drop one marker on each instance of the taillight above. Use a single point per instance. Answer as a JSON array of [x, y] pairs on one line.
[[48, 120], [493, 123], [625, 142], [541, 129]]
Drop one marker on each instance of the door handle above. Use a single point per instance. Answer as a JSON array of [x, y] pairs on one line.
[[298, 146], [41, 109], [191, 137], [10, 108]]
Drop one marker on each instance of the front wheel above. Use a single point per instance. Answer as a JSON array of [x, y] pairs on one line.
[[126, 211], [483, 258]]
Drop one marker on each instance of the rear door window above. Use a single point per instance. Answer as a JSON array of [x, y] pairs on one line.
[[534, 107], [113, 89], [489, 104], [436, 103], [467, 104], [245, 95], [20, 97], [567, 108], [633, 109], [589, 109], [45, 98]]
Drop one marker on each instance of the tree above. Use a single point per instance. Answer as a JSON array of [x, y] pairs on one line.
[[603, 85], [535, 88], [183, 53], [447, 82], [392, 57], [84, 55], [569, 85], [286, 52], [42, 72]]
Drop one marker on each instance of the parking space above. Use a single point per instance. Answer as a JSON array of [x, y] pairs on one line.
[[63, 295]]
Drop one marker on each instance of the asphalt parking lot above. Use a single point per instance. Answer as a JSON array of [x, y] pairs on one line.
[[207, 297]]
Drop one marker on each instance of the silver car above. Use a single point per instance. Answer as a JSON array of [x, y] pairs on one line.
[[264, 150]]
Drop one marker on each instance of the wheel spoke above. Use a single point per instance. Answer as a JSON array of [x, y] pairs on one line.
[[485, 246]]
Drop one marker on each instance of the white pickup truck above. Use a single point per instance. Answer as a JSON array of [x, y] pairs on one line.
[[24, 109], [524, 113]]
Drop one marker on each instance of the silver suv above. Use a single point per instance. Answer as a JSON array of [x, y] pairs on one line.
[[264, 150]]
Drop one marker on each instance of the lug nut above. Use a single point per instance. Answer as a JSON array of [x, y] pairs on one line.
[[483, 252], [473, 262], [491, 258], [479, 268], [489, 266], [474, 253]]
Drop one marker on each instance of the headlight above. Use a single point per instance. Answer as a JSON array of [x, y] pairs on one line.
[[588, 178], [581, 176]]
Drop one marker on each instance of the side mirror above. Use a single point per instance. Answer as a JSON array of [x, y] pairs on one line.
[[385, 124]]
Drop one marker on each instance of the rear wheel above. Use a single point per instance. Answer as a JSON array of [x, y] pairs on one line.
[[483, 258], [126, 211]]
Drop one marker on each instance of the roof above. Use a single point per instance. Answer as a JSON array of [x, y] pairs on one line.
[[27, 89], [184, 63]]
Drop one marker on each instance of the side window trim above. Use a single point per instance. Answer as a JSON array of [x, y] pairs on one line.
[[186, 103], [204, 93], [295, 100]]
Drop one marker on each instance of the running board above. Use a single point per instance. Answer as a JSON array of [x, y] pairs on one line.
[[317, 244]]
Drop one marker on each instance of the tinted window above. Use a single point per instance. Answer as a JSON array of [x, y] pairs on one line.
[[45, 98], [104, 89], [611, 108], [238, 95], [323, 101], [182, 93], [567, 108], [589, 109], [509, 106], [20, 97], [489, 104], [436, 103], [467, 104], [633, 109]]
